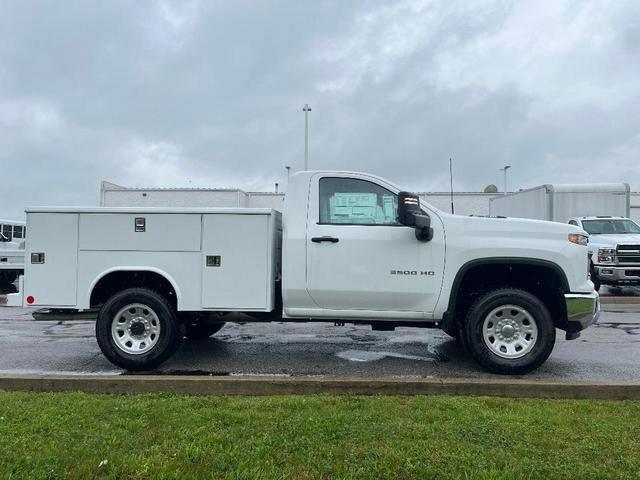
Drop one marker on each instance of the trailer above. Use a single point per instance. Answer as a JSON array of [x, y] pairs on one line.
[[559, 202]]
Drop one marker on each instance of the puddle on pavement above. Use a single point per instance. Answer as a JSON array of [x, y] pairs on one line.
[[629, 328], [369, 356]]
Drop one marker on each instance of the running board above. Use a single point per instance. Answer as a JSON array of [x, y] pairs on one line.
[[58, 315]]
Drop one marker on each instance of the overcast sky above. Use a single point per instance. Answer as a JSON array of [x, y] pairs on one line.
[[210, 94]]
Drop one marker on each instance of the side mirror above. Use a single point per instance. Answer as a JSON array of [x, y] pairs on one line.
[[409, 214]]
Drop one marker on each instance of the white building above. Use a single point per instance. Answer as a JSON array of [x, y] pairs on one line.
[[112, 195]]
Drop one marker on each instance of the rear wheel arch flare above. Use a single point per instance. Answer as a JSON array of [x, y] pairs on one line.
[[117, 279]]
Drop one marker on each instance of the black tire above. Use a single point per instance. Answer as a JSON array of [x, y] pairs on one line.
[[8, 277], [166, 344], [201, 330], [594, 278], [539, 351]]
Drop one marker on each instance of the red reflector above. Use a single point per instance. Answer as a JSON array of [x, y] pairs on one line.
[[30, 299]]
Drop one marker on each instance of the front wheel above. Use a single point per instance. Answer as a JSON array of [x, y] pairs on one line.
[[509, 331], [137, 329]]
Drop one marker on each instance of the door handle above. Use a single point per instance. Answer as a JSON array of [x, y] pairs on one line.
[[325, 239]]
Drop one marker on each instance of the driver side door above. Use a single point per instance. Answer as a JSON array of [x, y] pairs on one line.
[[360, 259]]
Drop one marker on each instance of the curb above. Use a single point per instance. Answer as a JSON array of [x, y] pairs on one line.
[[209, 385], [620, 300]]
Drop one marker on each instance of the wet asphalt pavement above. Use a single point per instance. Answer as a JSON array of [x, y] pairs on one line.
[[609, 351]]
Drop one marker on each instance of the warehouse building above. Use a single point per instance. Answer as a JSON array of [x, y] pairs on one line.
[[112, 195]]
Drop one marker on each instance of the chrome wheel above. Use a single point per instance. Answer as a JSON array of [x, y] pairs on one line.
[[510, 331], [135, 329]]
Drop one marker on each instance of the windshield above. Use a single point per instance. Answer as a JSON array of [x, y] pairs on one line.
[[610, 226]]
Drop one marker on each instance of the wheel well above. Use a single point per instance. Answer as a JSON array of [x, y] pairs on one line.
[[541, 280], [115, 282]]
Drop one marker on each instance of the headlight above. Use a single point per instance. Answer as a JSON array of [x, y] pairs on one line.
[[578, 239], [606, 255]]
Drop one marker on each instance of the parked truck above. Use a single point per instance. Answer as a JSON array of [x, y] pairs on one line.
[[560, 202], [11, 260], [350, 247], [614, 249], [12, 234]]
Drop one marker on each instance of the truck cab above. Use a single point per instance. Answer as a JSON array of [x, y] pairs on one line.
[[614, 249], [350, 247], [347, 256]]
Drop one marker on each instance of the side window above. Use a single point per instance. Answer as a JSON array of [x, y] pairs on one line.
[[17, 231], [573, 222], [6, 231], [353, 201]]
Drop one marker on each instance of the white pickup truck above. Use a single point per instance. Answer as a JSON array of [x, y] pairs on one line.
[[11, 260], [614, 249], [351, 247]]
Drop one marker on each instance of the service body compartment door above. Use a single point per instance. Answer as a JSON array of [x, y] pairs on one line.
[[157, 232], [236, 262], [52, 282]]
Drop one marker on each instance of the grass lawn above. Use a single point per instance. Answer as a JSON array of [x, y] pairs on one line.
[[169, 436]]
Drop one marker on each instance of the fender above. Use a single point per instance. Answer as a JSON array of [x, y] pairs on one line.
[[129, 268], [455, 287]]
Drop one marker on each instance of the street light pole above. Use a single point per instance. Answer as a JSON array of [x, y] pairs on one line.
[[288, 174], [306, 109], [504, 169]]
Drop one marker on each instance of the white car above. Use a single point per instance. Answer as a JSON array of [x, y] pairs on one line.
[[351, 247], [614, 249]]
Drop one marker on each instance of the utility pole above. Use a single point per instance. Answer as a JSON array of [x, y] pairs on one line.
[[306, 109], [504, 169]]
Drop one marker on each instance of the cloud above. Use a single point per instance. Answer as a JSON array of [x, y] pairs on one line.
[[195, 93]]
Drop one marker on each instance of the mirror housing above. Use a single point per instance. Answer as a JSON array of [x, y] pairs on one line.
[[410, 215]]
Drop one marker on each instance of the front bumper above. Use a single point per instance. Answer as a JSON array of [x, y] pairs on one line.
[[617, 274], [583, 310]]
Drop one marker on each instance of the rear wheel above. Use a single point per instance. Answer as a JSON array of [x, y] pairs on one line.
[[137, 329], [509, 331]]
